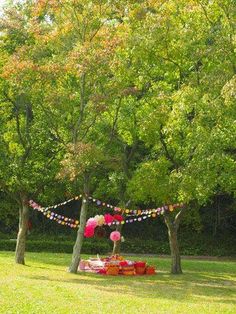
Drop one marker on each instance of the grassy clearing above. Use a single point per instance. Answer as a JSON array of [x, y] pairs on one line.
[[44, 286]]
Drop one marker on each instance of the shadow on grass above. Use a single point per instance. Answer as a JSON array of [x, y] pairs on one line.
[[205, 281], [61, 259], [161, 285], [211, 268], [55, 259]]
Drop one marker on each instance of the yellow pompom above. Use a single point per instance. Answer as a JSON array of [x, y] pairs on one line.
[[100, 220]]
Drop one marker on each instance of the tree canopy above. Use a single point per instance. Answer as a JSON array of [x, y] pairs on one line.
[[134, 98]]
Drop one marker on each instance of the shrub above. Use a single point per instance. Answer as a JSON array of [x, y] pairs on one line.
[[188, 246]]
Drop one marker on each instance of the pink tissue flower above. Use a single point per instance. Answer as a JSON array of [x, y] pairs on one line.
[[89, 232], [108, 218], [118, 217], [92, 222], [115, 236]]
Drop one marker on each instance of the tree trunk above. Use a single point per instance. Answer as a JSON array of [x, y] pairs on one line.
[[172, 227], [23, 227], [175, 254], [116, 245], [76, 256]]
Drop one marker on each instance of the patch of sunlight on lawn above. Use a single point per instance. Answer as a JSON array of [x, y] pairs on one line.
[[45, 286]]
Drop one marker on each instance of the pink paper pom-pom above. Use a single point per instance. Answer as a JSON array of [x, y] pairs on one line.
[[118, 217], [115, 236], [92, 222], [89, 232], [108, 218]]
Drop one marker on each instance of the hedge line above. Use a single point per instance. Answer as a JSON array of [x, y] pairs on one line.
[[55, 246], [93, 246]]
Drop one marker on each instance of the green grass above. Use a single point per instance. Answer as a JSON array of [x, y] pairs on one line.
[[44, 286]]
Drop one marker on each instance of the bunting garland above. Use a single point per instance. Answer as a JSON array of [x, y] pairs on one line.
[[140, 217], [104, 204], [160, 210], [130, 215], [60, 219], [109, 220], [57, 205]]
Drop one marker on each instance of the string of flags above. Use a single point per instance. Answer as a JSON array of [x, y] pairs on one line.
[[60, 219], [31, 202], [104, 204], [90, 198], [117, 219], [130, 215]]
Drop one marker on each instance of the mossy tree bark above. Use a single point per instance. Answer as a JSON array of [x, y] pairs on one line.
[[22, 233]]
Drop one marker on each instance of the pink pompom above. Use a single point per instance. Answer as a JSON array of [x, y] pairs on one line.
[[108, 218], [118, 217], [115, 236], [92, 222], [89, 232]]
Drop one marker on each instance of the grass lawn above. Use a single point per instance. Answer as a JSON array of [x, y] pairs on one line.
[[44, 286]]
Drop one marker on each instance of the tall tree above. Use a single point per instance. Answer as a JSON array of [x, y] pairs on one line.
[[27, 148], [80, 40], [184, 120]]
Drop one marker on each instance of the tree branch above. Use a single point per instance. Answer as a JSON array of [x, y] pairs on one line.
[[179, 216], [115, 119], [205, 13], [167, 153], [8, 98], [82, 108]]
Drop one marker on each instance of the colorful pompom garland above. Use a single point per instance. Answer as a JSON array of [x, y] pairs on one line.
[[136, 215], [32, 203], [60, 219]]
